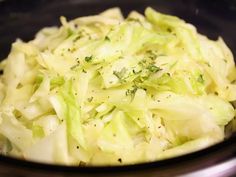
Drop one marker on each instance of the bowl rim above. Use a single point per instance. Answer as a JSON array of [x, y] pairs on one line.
[[215, 151]]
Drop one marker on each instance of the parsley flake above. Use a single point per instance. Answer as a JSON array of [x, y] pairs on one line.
[[120, 74], [200, 79], [153, 68], [88, 58]]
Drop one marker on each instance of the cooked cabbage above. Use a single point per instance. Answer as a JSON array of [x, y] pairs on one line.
[[104, 90]]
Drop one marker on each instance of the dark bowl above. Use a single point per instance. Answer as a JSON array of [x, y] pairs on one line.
[[22, 19]]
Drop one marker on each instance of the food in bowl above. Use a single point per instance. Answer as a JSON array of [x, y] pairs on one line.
[[104, 90]]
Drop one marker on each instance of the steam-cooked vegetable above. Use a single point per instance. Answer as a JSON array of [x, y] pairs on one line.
[[104, 90]]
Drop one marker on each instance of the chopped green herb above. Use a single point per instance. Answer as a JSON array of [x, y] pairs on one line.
[[200, 79], [120, 74], [131, 92], [77, 38], [107, 38], [153, 68], [88, 58], [90, 99]]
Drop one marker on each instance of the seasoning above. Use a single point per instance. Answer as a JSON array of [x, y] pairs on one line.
[[88, 58], [200, 79], [90, 99], [77, 38], [120, 74], [74, 66], [107, 38]]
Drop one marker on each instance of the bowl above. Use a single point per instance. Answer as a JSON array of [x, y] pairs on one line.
[[22, 19]]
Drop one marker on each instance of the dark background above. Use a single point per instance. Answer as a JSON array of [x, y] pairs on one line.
[[23, 18]]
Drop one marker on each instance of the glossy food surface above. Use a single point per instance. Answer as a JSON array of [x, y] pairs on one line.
[[23, 19]]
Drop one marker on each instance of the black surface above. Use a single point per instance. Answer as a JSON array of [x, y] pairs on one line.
[[23, 18]]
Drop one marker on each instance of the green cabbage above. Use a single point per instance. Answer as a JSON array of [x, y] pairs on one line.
[[109, 90]]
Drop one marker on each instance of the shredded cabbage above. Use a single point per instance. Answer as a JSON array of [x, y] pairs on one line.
[[109, 90]]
